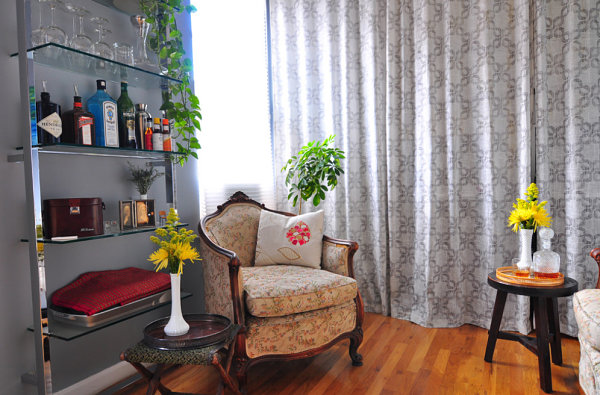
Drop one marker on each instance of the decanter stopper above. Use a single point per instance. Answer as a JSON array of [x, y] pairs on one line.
[[546, 263]]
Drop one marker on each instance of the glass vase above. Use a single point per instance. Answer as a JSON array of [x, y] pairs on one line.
[[525, 259]]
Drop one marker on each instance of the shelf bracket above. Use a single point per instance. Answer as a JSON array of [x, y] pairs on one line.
[[15, 158]]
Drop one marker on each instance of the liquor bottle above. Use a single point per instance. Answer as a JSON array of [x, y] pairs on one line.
[[166, 135], [126, 119], [546, 263], [157, 136], [148, 135], [141, 115], [104, 109], [49, 125], [78, 125]]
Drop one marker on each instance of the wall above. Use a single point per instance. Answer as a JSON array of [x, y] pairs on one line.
[[63, 177]]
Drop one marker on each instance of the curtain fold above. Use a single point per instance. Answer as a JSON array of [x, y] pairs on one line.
[[431, 102]]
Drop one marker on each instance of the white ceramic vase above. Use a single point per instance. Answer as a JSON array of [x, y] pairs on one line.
[[176, 325], [525, 260], [144, 196]]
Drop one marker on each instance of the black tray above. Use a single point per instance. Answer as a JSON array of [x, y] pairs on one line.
[[205, 330]]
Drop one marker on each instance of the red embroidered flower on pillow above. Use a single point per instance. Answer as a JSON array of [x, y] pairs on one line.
[[299, 234]]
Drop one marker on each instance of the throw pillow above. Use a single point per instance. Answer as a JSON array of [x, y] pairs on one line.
[[289, 240]]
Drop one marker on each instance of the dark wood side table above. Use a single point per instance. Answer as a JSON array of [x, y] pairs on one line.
[[547, 325], [210, 355]]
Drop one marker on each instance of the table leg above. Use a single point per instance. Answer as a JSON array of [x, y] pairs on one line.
[[554, 323], [495, 326], [541, 333]]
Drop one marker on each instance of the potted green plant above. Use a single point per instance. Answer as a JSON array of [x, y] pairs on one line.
[[180, 104], [143, 177], [313, 171]]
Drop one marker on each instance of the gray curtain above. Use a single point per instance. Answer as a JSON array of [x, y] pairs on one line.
[[567, 119], [431, 100]]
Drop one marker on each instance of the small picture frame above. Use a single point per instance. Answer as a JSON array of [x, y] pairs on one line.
[[144, 213], [126, 214]]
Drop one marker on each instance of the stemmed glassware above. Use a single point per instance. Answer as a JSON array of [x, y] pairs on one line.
[[54, 34], [80, 40], [38, 36], [100, 47]]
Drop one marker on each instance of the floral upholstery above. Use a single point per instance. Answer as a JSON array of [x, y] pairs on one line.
[[278, 290], [235, 229], [586, 304], [335, 258], [299, 332], [217, 289], [589, 368]]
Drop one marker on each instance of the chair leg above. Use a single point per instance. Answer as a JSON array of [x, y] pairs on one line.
[[355, 341], [241, 374]]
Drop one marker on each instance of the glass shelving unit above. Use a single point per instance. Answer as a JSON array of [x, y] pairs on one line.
[[67, 332], [72, 60], [104, 236], [90, 150]]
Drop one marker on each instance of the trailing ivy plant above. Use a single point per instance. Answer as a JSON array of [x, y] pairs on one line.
[[179, 102], [313, 171]]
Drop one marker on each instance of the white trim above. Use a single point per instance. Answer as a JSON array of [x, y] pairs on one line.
[[101, 380]]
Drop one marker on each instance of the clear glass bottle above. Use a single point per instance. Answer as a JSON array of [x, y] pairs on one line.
[[104, 109], [546, 263]]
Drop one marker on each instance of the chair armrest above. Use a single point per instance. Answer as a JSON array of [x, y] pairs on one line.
[[338, 255], [596, 255], [222, 282]]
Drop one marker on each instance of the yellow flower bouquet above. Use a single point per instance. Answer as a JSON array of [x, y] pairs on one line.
[[174, 246], [528, 213]]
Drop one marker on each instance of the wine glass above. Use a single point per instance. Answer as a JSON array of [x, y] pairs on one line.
[[38, 36], [54, 34], [100, 47], [79, 41]]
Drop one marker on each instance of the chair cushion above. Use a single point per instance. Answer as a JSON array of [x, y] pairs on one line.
[[298, 332], [274, 291], [289, 240], [589, 368], [586, 304]]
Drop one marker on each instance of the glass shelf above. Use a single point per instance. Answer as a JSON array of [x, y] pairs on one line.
[[90, 150], [65, 58], [64, 331], [104, 236]]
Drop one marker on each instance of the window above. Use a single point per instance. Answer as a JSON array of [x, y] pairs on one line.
[[231, 81]]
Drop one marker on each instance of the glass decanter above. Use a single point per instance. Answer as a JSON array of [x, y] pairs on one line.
[[546, 263]]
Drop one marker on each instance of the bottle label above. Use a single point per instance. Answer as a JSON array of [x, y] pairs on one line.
[[51, 124], [85, 124], [111, 131], [129, 120], [157, 141]]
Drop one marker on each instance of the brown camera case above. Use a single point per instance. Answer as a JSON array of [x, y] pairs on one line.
[[80, 217]]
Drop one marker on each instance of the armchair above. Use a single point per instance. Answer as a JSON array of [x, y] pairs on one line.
[[586, 304], [286, 312]]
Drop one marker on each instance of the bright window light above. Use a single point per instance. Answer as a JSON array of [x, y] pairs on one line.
[[231, 81]]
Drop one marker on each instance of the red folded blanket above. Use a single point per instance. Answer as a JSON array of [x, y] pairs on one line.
[[96, 291]]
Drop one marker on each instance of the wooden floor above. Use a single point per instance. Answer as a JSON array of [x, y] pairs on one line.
[[400, 358]]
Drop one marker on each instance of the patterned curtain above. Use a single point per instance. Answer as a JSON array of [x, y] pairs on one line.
[[567, 119], [431, 102]]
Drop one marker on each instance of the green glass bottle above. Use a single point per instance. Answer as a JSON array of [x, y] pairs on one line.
[[126, 119]]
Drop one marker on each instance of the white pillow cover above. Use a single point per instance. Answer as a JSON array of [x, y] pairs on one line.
[[289, 240]]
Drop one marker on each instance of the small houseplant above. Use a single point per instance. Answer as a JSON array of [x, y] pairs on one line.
[[313, 171], [143, 177], [527, 215], [175, 248]]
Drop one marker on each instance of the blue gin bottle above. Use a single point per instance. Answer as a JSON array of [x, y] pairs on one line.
[[104, 109]]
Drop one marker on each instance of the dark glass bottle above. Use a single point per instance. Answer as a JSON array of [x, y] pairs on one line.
[[78, 125], [126, 119], [49, 126]]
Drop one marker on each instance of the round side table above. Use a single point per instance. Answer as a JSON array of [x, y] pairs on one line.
[[547, 325]]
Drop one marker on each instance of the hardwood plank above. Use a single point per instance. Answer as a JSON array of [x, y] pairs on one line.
[[399, 357]]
